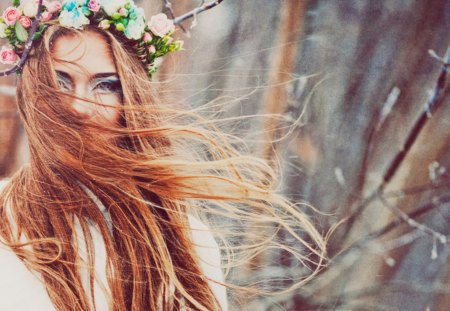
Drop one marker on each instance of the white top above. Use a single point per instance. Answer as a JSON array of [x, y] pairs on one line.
[[22, 290]]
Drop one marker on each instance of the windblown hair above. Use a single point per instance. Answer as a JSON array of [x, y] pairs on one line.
[[150, 173]]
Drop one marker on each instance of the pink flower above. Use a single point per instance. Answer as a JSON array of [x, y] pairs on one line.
[[123, 12], [147, 37], [54, 6], [46, 16], [25, 21], [8, 56], [94, 5], [160, 25], [11, 15], [152, 49]]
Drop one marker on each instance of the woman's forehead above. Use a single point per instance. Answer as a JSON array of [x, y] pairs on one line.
[[86, 52]]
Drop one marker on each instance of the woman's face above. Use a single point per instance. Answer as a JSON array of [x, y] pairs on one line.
[[85, 69]]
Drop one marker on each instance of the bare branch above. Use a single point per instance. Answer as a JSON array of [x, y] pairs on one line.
[[28, 44], [387, 106], [168, 5], [429, 107], [424, 209], [204, 6], [421, 121], [413, 223]]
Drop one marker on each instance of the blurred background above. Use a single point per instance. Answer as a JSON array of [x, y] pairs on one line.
[[371, 147]]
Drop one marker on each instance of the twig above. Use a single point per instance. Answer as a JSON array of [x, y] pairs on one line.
[[424, 209], [421, 121], [28, 44], [387, 107], [416, 189], [168, 5], [413, 223], [374, 127], [204, 6], [405, 239], [411, 138]]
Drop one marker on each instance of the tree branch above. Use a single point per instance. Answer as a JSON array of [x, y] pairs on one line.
[[28, 44], [424, 209], [204, 6], [429, 107], [168, 5], [413, 223], [426, 114]]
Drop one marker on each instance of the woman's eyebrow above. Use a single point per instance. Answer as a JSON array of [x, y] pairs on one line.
[[93, 77], [104, 75], [64, 75]]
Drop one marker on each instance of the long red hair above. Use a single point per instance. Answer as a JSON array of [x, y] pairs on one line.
[[160, 165]]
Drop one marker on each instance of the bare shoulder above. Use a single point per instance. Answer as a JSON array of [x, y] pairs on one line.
[[20, 289], [3, 183], [208, 252]]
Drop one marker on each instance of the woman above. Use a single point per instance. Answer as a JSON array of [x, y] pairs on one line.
[[102, 216]]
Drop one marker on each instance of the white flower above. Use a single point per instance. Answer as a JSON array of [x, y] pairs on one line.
[[74, 18], [135, 29], [112, 6], [160, 25], [30, 9], [81, 2], [2, 30], [104, 24]]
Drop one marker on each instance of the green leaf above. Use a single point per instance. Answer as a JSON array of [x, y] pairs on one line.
[[21, 33], [42, 28], [37, 35], [16, 3]]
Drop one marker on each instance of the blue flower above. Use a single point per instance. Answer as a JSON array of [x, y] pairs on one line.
[[135, 29], [73, 18], [69, 5]]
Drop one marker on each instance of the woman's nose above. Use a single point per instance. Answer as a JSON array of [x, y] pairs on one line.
[[83, 108], [81, 104]]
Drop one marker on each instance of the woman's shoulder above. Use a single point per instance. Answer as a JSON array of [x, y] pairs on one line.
[[204, 241], [209, 255], [16, 280], [20, 289], [3, 183]]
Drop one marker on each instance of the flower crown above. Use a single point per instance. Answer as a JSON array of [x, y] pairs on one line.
[[152, 39]]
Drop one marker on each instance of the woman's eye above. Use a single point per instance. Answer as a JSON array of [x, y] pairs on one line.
[[108, 87], [64, 85]]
